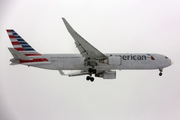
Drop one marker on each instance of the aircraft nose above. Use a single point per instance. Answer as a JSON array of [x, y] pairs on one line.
[[172, 62]]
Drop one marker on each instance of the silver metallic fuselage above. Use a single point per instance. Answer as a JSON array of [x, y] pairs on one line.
[[127, 61]]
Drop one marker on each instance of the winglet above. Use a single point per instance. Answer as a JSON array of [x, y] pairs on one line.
[[68, 26]]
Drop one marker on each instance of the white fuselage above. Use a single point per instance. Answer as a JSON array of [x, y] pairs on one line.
[[125, 61]]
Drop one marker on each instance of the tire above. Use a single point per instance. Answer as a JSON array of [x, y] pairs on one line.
[[87, 78], [94, 71], [90, 70], [92, 79], [160, 74]]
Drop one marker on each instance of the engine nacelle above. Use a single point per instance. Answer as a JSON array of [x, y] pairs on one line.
[[107, 75]]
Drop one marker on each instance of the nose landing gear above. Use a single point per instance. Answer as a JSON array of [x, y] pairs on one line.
[[160, 69]]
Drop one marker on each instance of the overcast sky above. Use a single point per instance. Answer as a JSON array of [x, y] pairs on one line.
[[112, 26]]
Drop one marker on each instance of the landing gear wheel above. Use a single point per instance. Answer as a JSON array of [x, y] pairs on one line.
[[90, 70], [94, 71], [160, 69], [92, 79], [88, 78]]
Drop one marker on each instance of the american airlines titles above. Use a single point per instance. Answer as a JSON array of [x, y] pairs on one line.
[[133, 57]]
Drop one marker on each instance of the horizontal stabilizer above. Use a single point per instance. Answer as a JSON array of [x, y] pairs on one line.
[[14, 63], [18, 55]]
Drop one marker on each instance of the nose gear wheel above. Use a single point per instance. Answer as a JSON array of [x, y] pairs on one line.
[[160, 74]]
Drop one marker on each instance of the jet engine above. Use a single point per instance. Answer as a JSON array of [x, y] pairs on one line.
[[107, 75]]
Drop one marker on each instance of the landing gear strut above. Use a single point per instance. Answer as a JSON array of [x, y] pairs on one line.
[[160, 74]]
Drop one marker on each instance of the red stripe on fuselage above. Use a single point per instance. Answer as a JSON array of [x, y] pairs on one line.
[[19, 49], [11, 36], [15, 43], [34, 60], [33, 54]]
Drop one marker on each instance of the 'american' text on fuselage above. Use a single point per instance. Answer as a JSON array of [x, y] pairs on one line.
[[133, 57]]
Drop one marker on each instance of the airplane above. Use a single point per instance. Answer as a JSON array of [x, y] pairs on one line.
[[90, 61]]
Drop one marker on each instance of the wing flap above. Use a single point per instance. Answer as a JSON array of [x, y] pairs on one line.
[[73, 74]]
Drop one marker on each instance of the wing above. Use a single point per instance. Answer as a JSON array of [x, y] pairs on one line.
[[74, 74], [85, 48]]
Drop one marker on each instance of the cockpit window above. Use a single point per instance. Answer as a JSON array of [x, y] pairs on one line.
[[166, 57]]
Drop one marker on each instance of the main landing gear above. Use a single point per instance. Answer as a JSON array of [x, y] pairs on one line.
[[91, 71], [160, 74], [90, 78]]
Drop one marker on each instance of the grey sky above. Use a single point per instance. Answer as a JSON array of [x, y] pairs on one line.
[[133, 26]]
